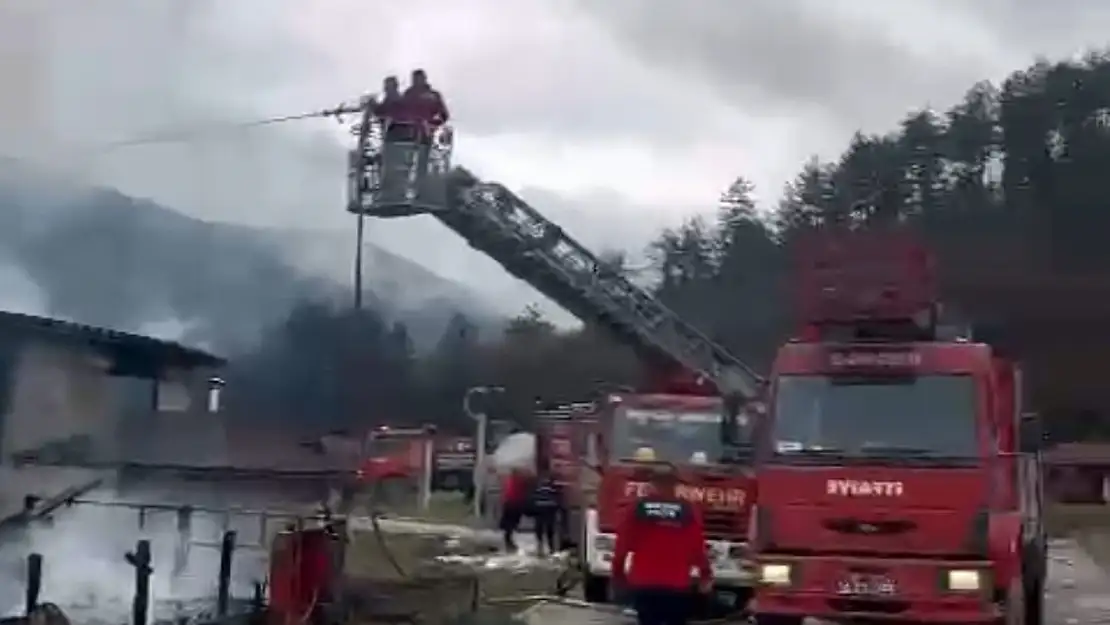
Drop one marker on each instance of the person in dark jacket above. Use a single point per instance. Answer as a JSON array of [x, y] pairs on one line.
[[547, 508], [425, 103], [667, 536], [514, 503], [428, 111], [398, 128], [391, 106]]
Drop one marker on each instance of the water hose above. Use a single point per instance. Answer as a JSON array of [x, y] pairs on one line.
[[379, 535]]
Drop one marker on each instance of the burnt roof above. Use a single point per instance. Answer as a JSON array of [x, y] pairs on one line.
[[112, 343]]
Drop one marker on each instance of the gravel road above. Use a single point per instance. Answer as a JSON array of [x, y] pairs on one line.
[[1078, 591]]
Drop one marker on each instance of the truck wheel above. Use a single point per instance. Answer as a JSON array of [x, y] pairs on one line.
[[1034, 600], [450, 482], [595, 588], [744, 598]]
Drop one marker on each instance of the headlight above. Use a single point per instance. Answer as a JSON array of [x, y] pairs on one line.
[[963, 580], [775, 574], [604, 543]]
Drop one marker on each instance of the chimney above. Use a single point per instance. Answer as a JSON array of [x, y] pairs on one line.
[[215, 386]]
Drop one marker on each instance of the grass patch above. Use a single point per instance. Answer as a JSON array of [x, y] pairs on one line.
[[369, 557], [442, 507]]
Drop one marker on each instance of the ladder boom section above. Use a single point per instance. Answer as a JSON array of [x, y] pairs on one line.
[[495, 221]]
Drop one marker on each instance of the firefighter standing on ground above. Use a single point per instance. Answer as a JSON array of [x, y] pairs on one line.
[[547, 509], [514, 502], [667, 537]]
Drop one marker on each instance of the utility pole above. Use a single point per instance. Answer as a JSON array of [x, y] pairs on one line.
[[482, 420], [360, 234], [356, 185]]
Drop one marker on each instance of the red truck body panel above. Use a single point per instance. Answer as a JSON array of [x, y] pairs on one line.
[[873, 510], [562, 445], [869, 523], [395, 454]]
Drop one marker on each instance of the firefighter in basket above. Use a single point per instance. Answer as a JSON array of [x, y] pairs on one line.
[[658, 543], [409, 121]]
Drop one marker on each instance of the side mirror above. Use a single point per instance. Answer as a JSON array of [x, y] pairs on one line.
[[593, 458], [729, 420], [1030, 433]]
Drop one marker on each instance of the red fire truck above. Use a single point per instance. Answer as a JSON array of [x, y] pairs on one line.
[[395, 459], [899, 478], [683, 428]]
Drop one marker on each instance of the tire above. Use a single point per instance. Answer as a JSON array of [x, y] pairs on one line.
[[778, 619], [595, 588], [744, 598], [1034, 599], [1032, 585], [450, 482]]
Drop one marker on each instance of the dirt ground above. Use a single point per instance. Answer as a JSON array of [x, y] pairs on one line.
[[412, 567]]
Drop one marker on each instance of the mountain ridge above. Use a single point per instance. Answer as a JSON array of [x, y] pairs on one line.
[[98, 256]]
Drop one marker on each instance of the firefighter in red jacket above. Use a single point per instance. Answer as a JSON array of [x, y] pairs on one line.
[[429, 112], [660, 540], [425, 103], [514, 501]]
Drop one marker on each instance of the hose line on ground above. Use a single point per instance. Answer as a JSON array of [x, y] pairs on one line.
[[379, 535]]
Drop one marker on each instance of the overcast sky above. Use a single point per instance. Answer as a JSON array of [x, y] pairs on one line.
[[617, 117]]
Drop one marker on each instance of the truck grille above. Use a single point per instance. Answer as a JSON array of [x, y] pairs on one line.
[[449, 461], [723, 524]]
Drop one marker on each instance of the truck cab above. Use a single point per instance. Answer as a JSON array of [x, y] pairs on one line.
[[396, 454], [636, 431], [899, 479]]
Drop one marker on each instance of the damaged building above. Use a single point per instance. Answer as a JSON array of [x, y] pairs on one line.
[[80, 395]]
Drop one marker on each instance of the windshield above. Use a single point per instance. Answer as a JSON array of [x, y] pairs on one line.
[[389, 446], [677, 436], [930, 416]]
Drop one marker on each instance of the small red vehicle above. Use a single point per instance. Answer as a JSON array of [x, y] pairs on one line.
[[395, 460]]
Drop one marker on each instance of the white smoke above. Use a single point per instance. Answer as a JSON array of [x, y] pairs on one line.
[[166, 329], [19, 293], [78, 77], [517, 451], [86, 573]]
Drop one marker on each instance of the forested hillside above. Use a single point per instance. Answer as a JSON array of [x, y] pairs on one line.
[[1008, 185], [102, 258]]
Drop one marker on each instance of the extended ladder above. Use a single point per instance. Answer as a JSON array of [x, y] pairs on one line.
[[530, 247]]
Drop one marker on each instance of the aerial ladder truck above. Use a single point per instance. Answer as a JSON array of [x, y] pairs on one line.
[[396, 180]]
